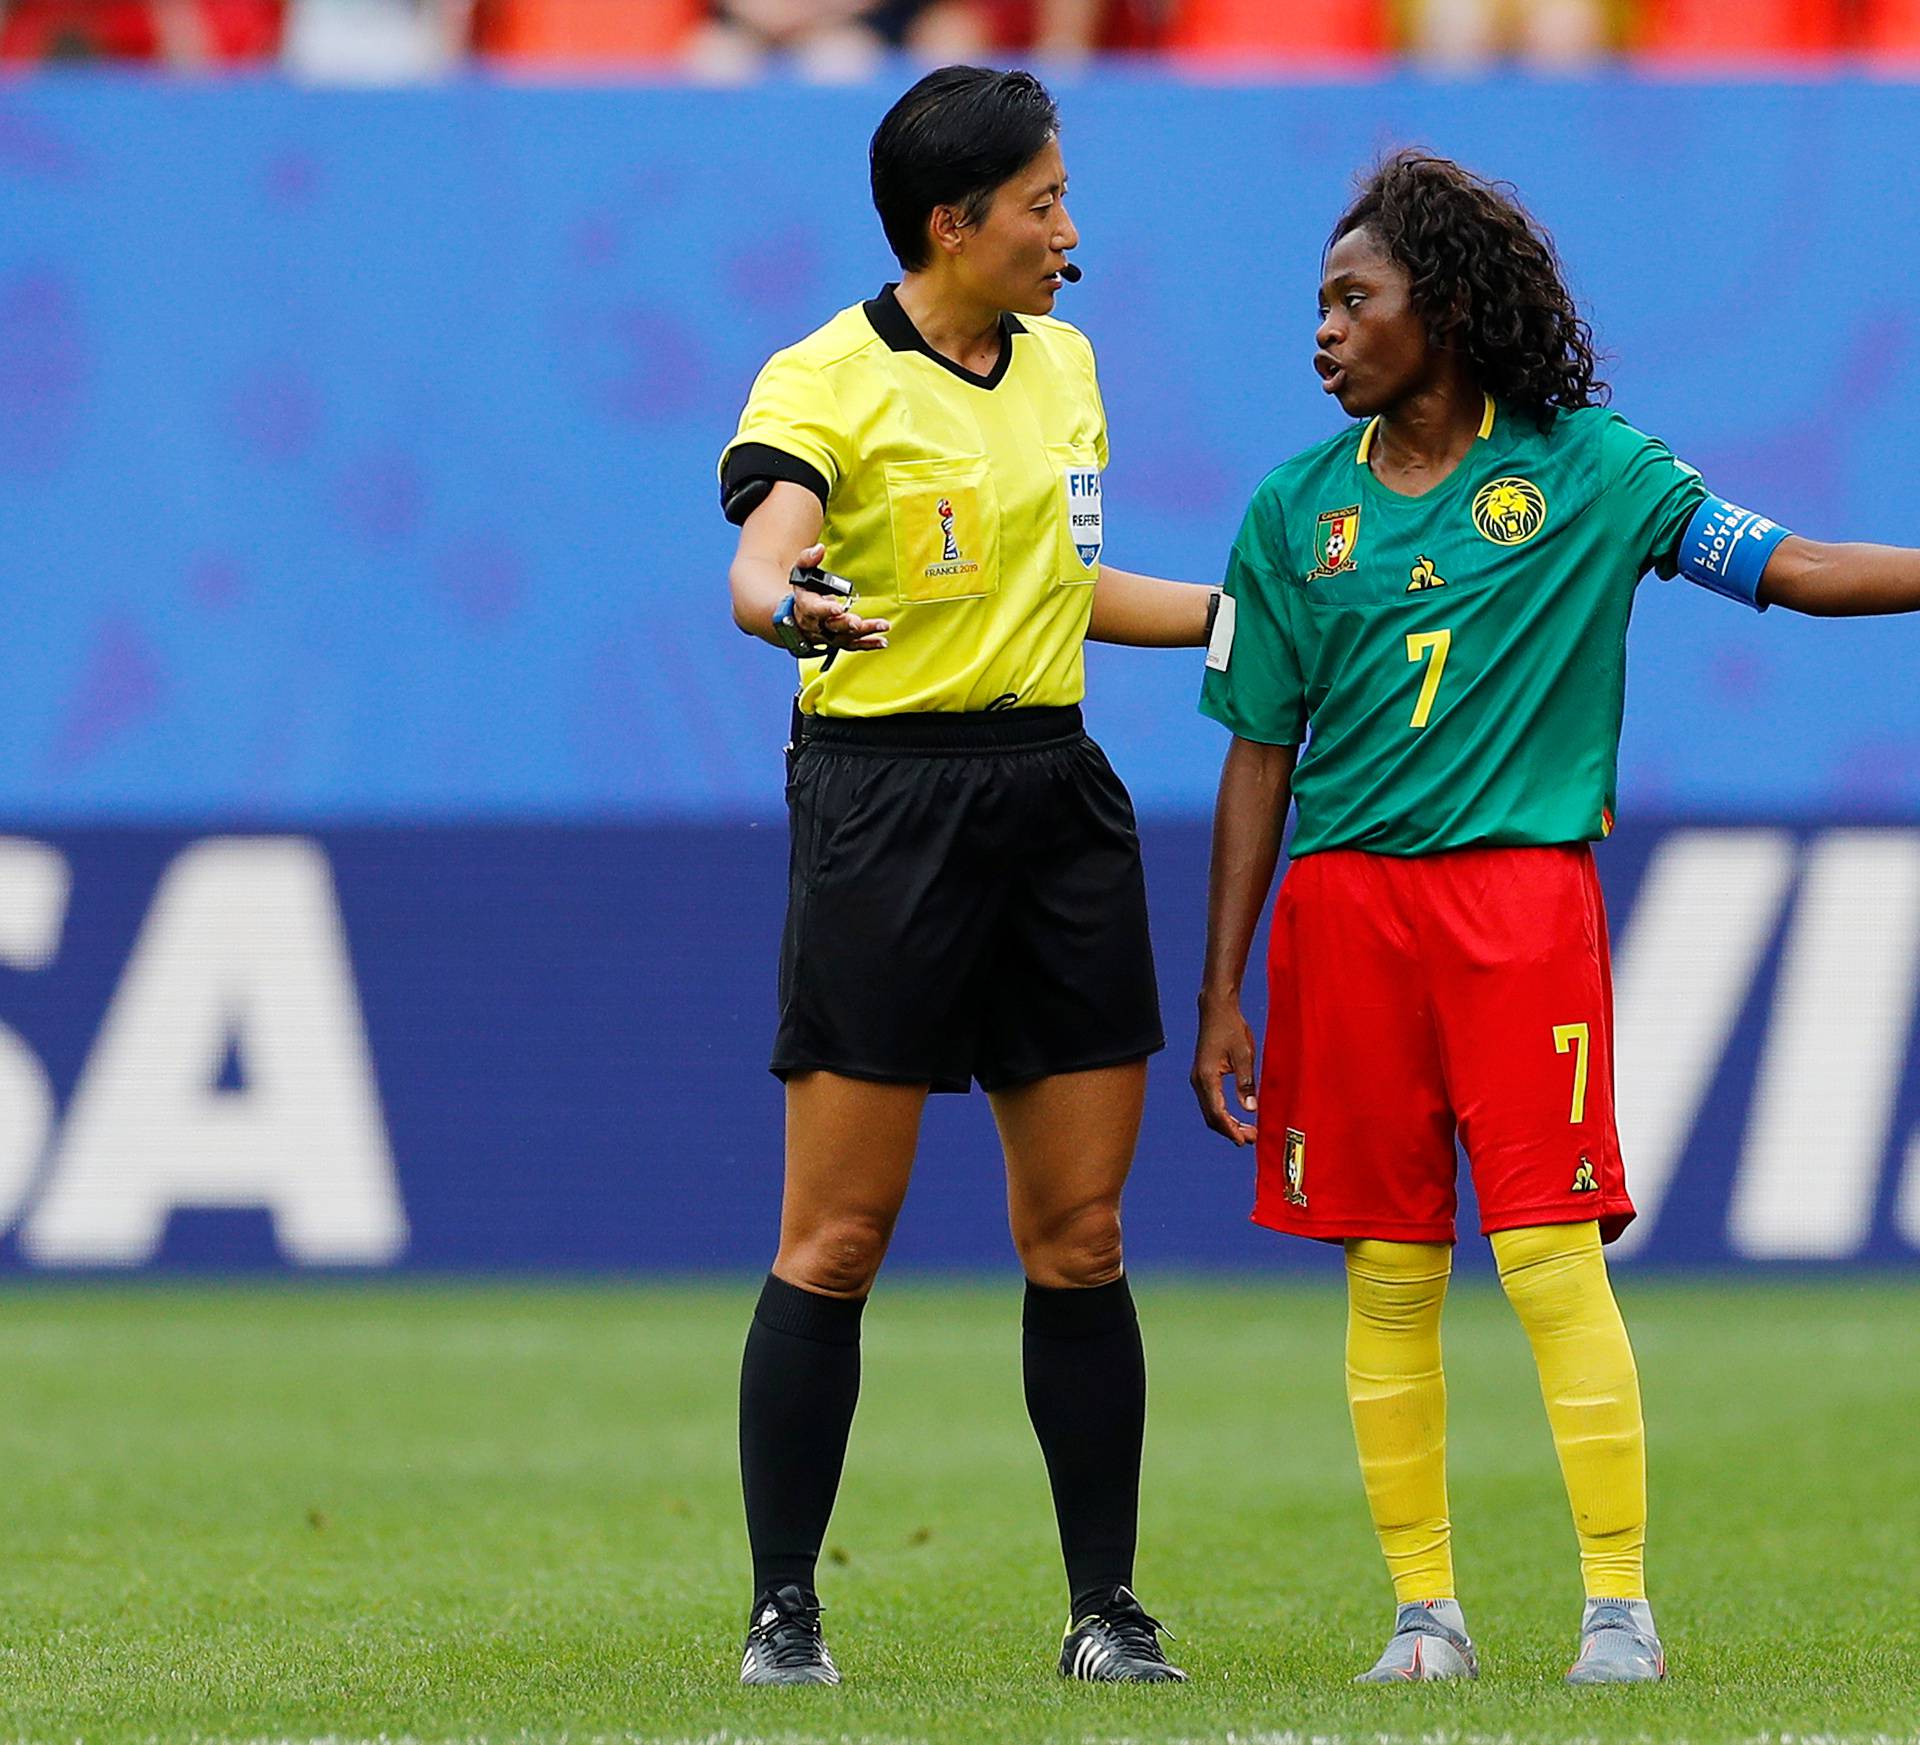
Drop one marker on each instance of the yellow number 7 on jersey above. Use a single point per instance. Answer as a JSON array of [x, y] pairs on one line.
[[1434, 644]]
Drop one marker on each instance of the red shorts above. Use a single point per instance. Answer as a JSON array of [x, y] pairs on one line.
[[1412, 997]]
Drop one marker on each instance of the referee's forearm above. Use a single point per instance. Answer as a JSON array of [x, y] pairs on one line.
[[1146, 612], [757, 587]]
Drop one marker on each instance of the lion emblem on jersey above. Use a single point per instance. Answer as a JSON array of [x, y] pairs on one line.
[[1509, 511]]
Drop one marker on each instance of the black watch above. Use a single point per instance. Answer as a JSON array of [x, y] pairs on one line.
[[791, 637]]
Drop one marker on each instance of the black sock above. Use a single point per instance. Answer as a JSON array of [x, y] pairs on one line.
[[1086, 1380], [798, 1384]]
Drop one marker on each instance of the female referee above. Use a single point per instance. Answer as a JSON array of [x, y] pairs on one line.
[[1441, 592], [965, 897]]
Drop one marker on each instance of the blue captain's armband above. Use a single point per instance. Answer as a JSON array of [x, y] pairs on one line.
[[1726, 548]]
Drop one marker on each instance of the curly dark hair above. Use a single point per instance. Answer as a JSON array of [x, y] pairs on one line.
[[1486, 278]]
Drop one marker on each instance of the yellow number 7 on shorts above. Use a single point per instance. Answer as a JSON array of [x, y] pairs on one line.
[[1578, 1038], [1433, 644]]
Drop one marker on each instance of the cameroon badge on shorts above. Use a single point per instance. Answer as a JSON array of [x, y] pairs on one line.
[[1293, 1167], [1333, 542]]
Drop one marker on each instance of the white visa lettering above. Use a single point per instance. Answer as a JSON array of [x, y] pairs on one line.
[[35, 884], [242, 950], [1906, 1211], [1830, 1072], [1707, 908]]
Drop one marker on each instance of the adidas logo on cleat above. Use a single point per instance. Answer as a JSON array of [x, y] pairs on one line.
[[1088, 1657], [1117, 1643]]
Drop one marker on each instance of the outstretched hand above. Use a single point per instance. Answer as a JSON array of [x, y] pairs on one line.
[[825, 619], [1225, 1049]]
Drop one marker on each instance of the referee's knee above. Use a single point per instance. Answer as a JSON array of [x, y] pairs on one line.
[[838, 1257], [1075, 1250]]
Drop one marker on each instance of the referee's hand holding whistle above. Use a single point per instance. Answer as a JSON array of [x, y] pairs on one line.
[[827, 619]]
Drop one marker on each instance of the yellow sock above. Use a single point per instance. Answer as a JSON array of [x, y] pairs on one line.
[[1395, 1291], [1556, 1279]]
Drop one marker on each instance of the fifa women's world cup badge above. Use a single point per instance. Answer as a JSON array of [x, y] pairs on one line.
[[954, 537], [1509, 511], [1334, 540]]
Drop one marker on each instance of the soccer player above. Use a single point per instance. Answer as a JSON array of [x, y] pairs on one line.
[[966, 898], [1422, 647]]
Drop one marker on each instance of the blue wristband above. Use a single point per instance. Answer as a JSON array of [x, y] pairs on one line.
[[1726, 548]]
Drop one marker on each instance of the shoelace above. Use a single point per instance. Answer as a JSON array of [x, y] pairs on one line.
[[1607, 1618], [792, 1638], [1139, 1633]]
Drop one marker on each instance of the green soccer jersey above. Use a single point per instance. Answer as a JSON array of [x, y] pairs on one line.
[[1455, 662]]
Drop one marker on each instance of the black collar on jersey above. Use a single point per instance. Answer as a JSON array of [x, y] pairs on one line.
[[895, 326]]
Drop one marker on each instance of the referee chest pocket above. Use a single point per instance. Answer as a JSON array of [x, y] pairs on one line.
[[946, 528], [1082, 527]]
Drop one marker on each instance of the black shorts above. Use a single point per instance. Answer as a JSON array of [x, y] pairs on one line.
[[965, 901]]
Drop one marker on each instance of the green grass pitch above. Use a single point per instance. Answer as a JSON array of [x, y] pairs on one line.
[[509, 1513]]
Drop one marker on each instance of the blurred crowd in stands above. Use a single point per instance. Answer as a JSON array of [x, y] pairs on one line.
[[726, 40]]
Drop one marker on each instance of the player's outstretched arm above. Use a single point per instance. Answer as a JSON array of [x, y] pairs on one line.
[[1841, 581], [1146, 612], [1249, 814]]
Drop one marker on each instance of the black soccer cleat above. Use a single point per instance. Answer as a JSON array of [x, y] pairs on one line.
[[784, 1644], [1117, 1643]]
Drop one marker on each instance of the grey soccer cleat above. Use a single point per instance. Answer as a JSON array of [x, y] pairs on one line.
[[1117, 1643], [1618, 1645], [1429, 1640], [784, 1644]]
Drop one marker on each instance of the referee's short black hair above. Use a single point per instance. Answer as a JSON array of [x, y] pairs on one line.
[[951, 141]]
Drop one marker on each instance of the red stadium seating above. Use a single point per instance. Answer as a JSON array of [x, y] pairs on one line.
[[606, 34], [1263, 34], [1890, 30], [224, 32], [1716, 34]]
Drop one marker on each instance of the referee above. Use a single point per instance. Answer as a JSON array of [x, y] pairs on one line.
[[965, 894]]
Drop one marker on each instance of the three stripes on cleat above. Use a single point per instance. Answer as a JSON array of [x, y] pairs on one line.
[[1089, 1657]]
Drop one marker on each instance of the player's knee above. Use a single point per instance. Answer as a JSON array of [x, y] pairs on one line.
[[839, 1257], [1554, 1275], [1398, 1288], [1075, 1249], [1404, 1307]]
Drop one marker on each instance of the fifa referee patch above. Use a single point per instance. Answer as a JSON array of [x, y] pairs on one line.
[[1220, 643]]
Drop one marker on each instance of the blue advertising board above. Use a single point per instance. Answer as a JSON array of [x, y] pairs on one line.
[[502, 1047]]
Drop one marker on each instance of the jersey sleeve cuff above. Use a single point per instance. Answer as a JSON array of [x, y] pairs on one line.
[[751, 469], [1240, 729]]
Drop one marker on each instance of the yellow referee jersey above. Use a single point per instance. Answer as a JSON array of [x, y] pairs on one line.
[[964, 508]]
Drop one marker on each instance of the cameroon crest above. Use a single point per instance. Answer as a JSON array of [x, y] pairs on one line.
[[1293, 1167], [1334, 540], [1509, 511]]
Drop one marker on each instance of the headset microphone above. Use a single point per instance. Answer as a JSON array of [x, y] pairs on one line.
[[1071, 273]]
